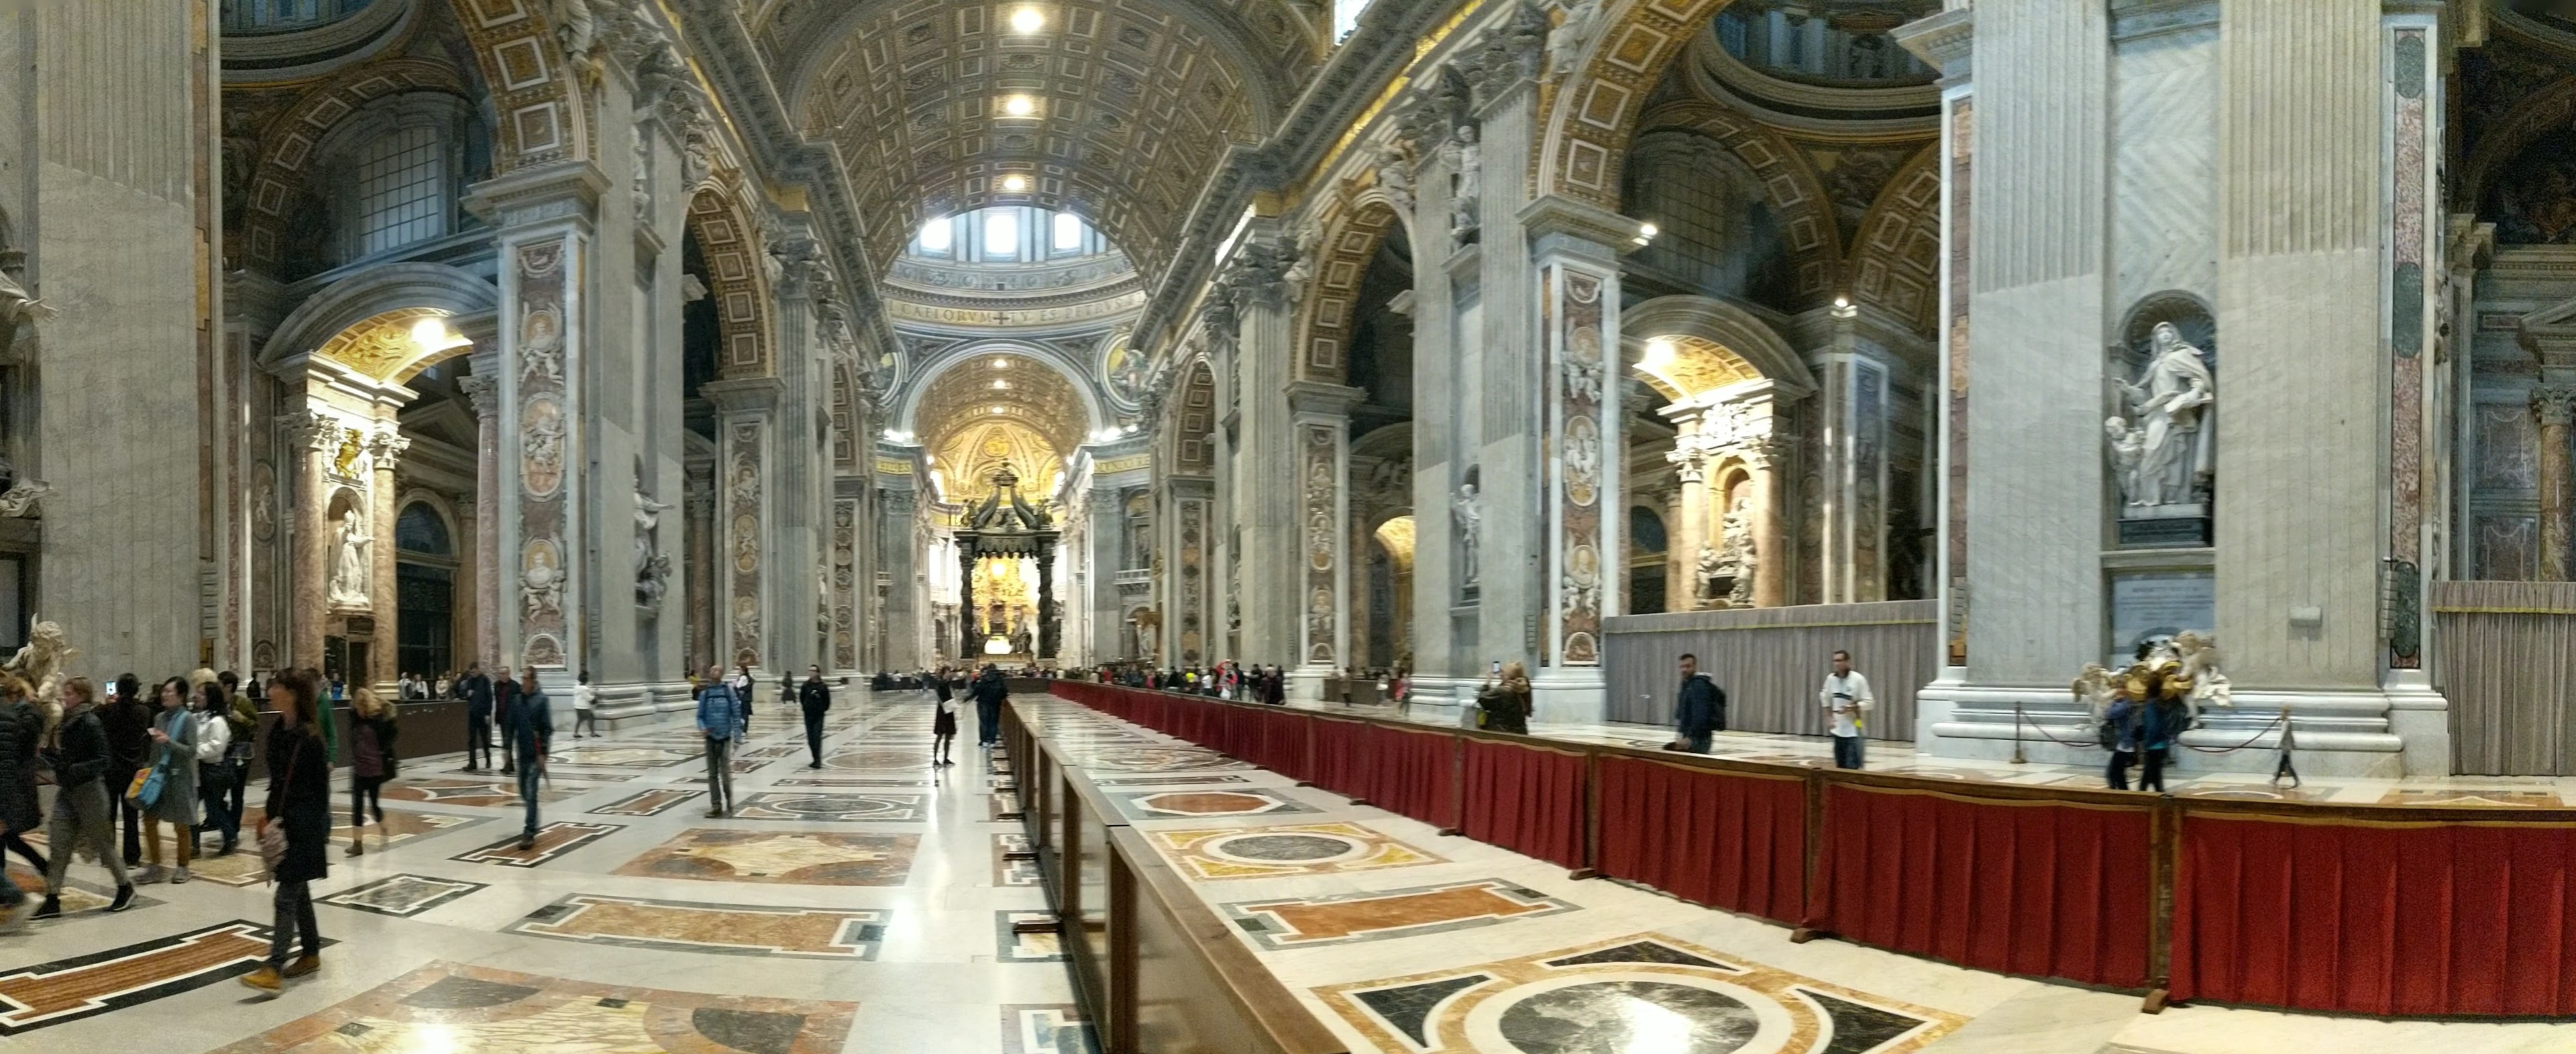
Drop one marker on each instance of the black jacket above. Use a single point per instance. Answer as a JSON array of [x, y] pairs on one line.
[[505, 694], [1700, 707], [989, 690], [477, 692], [22, 730], [299, 797], [80, 752], [814, 695], [940, 686], [129, 732]]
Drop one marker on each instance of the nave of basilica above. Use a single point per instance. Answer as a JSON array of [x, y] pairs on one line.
[[1381, 482]]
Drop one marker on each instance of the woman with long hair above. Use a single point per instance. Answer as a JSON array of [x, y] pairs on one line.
[[371, 740], [295, 834], [174, 757], [1506, 702], [214, 773]]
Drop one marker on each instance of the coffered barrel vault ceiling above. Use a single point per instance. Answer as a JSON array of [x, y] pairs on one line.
[[1134, 102]]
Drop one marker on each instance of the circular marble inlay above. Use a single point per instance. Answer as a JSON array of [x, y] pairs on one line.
[[1207, 803], [1602, 1016], [1286, 848], [879, 758]]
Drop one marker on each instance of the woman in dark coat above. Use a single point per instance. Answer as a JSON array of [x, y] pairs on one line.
[[22, 732], [1507, 704], [299, 805]]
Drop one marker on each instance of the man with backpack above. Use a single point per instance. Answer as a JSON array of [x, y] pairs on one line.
[[1699, 708]]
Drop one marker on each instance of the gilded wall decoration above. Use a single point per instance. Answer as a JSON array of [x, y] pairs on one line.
[[1574, 317], [743, 513], [1869, 487], [1193, 626], [545, 516], [845, 536], [1961, 292], [735, 272], [2412, 171]]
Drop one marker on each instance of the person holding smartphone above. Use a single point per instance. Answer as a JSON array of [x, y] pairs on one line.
[[1846, 697]]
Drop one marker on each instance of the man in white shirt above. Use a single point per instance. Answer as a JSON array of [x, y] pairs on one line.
[[1846, 696]]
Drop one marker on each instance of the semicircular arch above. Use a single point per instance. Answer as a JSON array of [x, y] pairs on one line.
[[1352, 230], [420, 289], [738, 281], [1595, 111], [292, 144], [1723, 325], [921, 376]]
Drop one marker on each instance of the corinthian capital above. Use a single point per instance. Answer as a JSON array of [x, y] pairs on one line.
[[482, 392], [2554, 403]]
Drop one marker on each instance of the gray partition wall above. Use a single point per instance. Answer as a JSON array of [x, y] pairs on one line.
[[1770, 661]]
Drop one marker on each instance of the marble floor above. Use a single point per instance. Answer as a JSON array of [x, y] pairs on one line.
[[1404, 941], [852, 915], [868, 907]]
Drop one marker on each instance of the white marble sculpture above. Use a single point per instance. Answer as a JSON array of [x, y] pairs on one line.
[[349, 570], [1565, 42], [2092, 688], [2199, 657], [652, 569], [20, 500], [16, 306], [1468, 508], [1469, 161], [1395, 176], [40, 661], [2168, 404], [1737, 558]]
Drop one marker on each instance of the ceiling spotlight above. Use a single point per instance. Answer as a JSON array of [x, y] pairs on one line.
[[1646, 232], [1019, 106], [1027, 20], [432, 335], [1001, 386], [1001, 364], [1659, 354], [1015, 184], [997, 409]]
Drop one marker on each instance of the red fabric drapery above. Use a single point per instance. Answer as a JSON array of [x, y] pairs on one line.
[[2376, 918], [2048, 889], [1343, 756], [1729, 840], [1526, 799], [1412, 773]]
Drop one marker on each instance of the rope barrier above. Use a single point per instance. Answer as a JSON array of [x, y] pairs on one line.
[[2275, 722], [2021, 718]]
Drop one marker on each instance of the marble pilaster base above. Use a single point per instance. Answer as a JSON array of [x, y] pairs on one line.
[[1306, 683], [2337, 733], [635, 705], [1569, 695]]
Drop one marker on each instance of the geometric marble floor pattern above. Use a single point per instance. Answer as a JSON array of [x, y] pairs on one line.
[[1402, 940], [847, 917]]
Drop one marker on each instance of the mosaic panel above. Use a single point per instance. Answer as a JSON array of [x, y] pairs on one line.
[[453, 1007], [470, 792], [785, 858], [1057, 1028], [834, 808], [553, 841], [1643, 992], [1306, 922], [1014, 947], [1285, 849], [1013, 872], [653, 802], [1205, 804], [402, 896], [65, 990], [730, 929]]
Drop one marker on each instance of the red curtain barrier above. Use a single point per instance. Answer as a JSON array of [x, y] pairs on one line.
[[1527, 799], [2377, 918], [2022, 886], [1730, 840], [1344, 755], [1413, 773]]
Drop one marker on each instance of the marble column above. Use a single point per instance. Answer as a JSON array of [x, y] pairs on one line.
[[384, 659], [1265, 491], [483, 393], [1679, 564], [746, 438], [1772, 563], [699, 574], [904, 617], [1577, 271], [467, 621], [1690, 530], [1322, 414], [310, 437], [1443, 435], [2555, 405]]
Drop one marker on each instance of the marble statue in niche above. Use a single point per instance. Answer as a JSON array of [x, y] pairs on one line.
[[1737, 558], [2162, 454], [1468, 508], [1467, 159], [1565, 41], [652, 569], [349, 568], [1395, 175]]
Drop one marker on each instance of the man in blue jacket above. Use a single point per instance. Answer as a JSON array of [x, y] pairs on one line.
[[1700, 707], [720, 720], [529, 726], [990, 692]]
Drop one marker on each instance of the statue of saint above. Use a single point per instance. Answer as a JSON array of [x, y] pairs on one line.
[[1468, 508], [349, 571], [2170, 400]]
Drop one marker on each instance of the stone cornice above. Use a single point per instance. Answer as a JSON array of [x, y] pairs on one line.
[[566, 191], [1945, 41], [1555, 215]]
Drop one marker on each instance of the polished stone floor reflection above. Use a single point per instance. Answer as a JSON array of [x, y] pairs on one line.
[[869, 913]]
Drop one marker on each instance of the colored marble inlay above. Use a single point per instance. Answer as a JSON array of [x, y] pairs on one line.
[[1309, 921], [639, 757], [65, 990], [1203, 804], [648, 803], [1153, 759], [453, 1008], [243, 867], [1047, 1029], [836, 808], [77, 896], [402, 896], [1172, 781], [2541, 799], [792, 858], [880, 759], [1287, 849], [731, 929], [1644, 992], [1008, 872], [553, 841], [468, 792], [1015, 947]]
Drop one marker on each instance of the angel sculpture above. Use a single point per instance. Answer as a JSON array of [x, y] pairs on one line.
[[40, 663], [2092, 688], [2200, 659]]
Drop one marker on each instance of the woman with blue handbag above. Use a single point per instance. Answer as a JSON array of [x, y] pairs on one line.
[[167, 792]]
